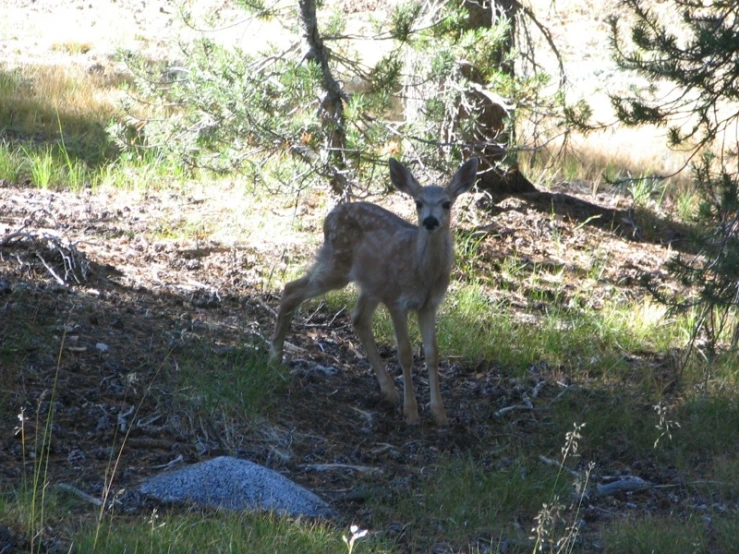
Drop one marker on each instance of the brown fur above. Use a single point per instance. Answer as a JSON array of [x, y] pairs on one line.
[[403, 266]]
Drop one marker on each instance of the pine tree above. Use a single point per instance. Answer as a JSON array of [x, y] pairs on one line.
[[316, 113], [691, 50]]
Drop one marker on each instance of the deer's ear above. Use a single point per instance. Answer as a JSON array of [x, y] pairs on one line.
[[463, 179], [402, 179]]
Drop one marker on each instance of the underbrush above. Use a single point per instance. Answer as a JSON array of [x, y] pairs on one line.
[[50, 104], [54, 132], [702, 531], [51, 165]]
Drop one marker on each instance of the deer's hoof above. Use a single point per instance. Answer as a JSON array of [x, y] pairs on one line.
[[391, 395], [441, 419], [412, 419], [275, 356], [411, 414], [439, 416]]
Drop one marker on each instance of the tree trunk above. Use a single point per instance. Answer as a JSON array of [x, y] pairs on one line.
[[332, 106], [489, 113], [501, 184], [483, 13]]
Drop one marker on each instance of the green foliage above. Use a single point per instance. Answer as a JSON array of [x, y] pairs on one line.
[[695, 56], [711, 277], [464, 498], [210, 114], [403, 19], [229, 110]]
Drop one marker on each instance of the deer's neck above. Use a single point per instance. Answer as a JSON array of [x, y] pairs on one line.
[[435, 253]]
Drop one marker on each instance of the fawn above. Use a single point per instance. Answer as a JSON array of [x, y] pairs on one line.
[[404, 266]]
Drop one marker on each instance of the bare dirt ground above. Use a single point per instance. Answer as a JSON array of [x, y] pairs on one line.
[[108, 346]]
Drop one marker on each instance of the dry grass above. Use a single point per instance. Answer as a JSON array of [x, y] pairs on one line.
[[38, 98]]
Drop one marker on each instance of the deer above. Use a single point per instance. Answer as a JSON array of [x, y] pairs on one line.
[[405, 267]]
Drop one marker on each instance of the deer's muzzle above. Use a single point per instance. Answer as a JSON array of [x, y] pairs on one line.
[[430, 223]]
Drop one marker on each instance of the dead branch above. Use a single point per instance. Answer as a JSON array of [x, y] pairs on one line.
[[351, 467], [77, 492], [70, 264], [627, 484], [558, 464]]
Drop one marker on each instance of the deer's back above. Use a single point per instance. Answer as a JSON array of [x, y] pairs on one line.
[[378, 250]]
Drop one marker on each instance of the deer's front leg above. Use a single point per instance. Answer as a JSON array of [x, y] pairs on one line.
[[362, 321], [427, 325], [405, 356]]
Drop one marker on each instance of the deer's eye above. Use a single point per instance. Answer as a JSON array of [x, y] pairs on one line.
[[419, 204], [446, 205]]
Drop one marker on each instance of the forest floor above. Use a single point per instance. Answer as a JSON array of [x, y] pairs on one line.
[[105, 309], [103, 299]]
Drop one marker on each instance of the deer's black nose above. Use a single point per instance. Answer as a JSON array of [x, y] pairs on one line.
[[430, 223]]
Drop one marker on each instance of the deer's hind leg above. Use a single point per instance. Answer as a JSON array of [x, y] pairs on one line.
[[362, 321], [317, 281]]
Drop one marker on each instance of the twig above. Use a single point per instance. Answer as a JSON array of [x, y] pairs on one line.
[[50, 270], [172, 463], [331, 467], [627, 484], [526, 405], [77, 492], [537, 389], [74, 263], [507, 409], [14, 235], [561, 394], [557, 464], [123, 419]]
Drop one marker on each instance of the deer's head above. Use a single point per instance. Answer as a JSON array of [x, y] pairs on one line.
[[433, 203]]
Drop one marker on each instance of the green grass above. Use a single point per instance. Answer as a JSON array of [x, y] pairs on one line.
[[10, 164], [463, 499], [656, 536], [707, 432], [235, 385], [615, 358], [177, 531], [52, 166], [55, 127], [588, 343], [216, 532], [39, 101]]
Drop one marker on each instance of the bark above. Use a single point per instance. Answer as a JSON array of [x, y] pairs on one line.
[[332, 106], [490, 113], [501, 184]]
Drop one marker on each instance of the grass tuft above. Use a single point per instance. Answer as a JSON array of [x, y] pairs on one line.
[[656, 536], [216, 532], [235, 384]]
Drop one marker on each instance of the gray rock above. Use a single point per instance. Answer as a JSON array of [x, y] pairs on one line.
[[235, 484]]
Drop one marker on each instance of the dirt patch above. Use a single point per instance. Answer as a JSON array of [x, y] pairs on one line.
[[105, 343]]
